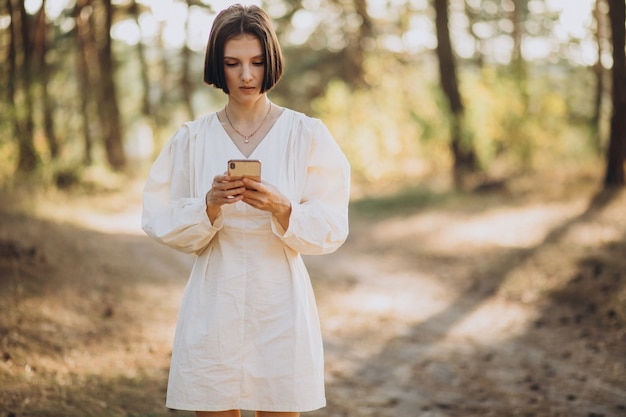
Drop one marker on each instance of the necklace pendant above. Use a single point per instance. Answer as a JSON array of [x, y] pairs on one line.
[[246, 139]]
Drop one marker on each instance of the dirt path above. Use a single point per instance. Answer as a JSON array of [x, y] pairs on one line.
[[503, 305], [453, 313]]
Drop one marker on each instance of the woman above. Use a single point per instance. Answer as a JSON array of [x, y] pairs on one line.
[[248, 334]]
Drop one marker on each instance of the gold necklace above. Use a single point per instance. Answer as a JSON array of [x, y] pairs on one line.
[[246, 139]]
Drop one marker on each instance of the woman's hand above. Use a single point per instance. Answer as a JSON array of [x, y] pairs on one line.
[[266, 197], [225, 190]]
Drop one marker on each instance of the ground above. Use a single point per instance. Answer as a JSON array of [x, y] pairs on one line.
[[507, 302]]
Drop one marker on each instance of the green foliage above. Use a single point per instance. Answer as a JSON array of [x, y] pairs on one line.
[[392, 131], [526, 131], [385, 108], [396, 130]]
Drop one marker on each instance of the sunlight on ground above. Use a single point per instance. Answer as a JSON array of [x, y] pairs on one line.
[[402, 299], [109, 212], [385, 292], [410, 298], [378, 296], [393, 297], [403, 296], [513, 226], [493, 321], [127, 222]]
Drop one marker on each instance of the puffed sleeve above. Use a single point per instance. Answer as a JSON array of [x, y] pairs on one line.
[[172, 214], [318, 223]]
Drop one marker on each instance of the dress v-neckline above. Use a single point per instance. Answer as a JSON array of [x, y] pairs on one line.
[[259, 143]]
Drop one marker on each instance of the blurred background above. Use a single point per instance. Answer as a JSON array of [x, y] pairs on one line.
[[412, 89], [485, 271]]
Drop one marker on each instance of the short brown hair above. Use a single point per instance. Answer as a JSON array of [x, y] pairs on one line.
[[238, 20]]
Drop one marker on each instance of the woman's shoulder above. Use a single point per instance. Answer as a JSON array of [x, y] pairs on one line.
[[305, 125], [189, 131], [299, 117], [201, 122]]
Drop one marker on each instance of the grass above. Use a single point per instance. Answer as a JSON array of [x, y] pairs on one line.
[[403, 202]]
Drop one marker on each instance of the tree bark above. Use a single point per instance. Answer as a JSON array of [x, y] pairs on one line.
[[598, 69], [110, 119], [518, 63], [462, 151], [20, 87], [186, 84], [85, 43], [356, 51], [146, 105], [616, 153], [12, 72], [47, 104]]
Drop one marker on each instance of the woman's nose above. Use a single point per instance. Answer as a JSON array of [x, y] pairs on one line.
[[246, 72]]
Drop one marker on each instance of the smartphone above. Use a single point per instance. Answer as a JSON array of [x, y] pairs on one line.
[[249, 168]]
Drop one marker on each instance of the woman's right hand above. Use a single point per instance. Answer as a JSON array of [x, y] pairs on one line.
[[225, 190]]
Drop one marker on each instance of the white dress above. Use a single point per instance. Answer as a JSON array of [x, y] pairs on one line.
[[248, 334]]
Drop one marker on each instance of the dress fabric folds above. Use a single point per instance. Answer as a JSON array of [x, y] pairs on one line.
[[248, 333]]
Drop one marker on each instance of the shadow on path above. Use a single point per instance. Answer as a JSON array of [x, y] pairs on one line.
[[420, 373]]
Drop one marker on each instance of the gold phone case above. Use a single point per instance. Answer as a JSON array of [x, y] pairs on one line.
[[249, 168]]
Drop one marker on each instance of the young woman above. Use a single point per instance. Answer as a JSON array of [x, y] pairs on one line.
[[248, 334]]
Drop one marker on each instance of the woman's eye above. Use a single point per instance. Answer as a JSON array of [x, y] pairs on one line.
[[258, 64], [230, 64]]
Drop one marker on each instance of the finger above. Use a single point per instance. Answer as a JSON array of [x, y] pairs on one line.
[[232, 192], [252, 184], [228, 185], [219, 195], [221, 178], [249, 194], [232, 199]]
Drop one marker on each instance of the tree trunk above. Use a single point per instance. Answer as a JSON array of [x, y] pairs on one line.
[[598, 69], [165, 86], [462, 151], [85, 53], [616, 152], [355, 49], [518, 63], [146, 105], [47, 104], [186, 84], [110, 119], [20, 87], [12, 72], [148, 111]]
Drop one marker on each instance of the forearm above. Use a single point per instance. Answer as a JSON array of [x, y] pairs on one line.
[[212, 211], [283, 213]]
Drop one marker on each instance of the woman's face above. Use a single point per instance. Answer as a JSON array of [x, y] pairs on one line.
[[244, 67]]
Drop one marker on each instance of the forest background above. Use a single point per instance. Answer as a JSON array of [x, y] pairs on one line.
[[471, 91], [485, 271]]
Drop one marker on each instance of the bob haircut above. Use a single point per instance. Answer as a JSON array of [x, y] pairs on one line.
[[232, 22]]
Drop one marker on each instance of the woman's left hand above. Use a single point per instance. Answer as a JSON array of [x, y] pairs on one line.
[[266, 197]]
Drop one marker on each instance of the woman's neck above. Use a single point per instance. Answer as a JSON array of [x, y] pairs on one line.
[[248, 112]]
